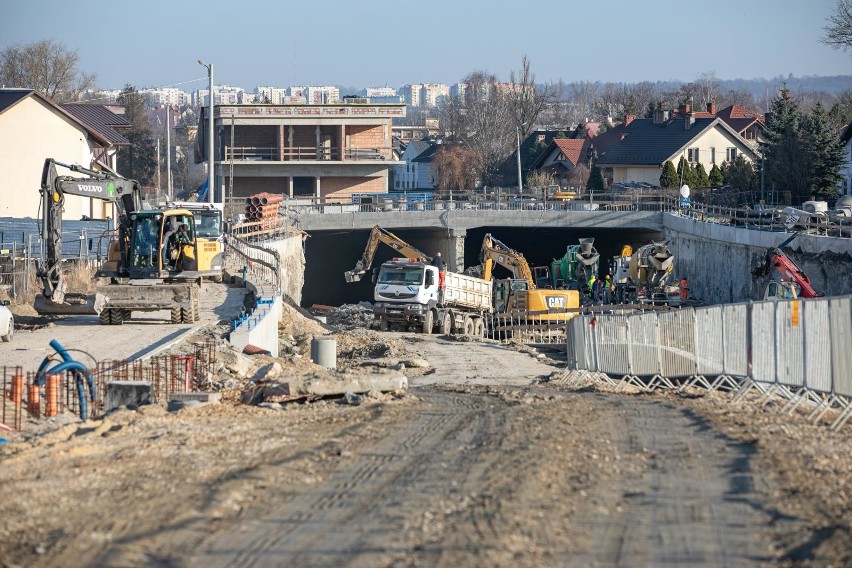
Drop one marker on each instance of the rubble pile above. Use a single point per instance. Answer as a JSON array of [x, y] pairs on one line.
[[346, 317]]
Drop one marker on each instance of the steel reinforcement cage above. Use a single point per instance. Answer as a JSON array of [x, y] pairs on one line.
[[797, 348]]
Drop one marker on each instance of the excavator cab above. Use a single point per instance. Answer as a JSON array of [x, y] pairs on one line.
[[162, 243]]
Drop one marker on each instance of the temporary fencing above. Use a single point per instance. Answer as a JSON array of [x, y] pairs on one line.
[[798, 349], [52, 394]]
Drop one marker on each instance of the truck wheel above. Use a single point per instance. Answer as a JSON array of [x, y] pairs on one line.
[[186, 315], [383, 324], [127, 314], [468, 326], [428, 322], [176, 315], [104, 317], [446, 325]]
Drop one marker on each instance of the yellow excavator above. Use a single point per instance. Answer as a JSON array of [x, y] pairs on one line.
[[520, 293], [152, 264], [380, 235]]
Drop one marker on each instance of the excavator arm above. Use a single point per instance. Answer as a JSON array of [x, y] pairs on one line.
[[380, 235], [493, 251], [54, 299]]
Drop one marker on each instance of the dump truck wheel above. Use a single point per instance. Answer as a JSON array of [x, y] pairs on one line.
[[468, 326], [186, 315], [127, 314], [445, 326], [428, 322], [104, 317], [196, 309], [176, 315], [383, 324]]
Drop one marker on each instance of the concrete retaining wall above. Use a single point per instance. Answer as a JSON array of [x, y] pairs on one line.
[[718, 260], [261, 329]]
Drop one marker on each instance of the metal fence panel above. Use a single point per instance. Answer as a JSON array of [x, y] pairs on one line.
[[611, 334], [840, 317], [576, 357], [677, 343], [763, 341], [709, 341], [735, 339], [817, 349], [789, 343], [644, 344]]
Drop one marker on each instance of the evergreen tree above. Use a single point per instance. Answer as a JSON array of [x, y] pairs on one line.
[[669, 177], [701, 177], [825, 154], [741, 175], [139, 160], [596, 180], [786, 160], [685, 174], [715, 177]]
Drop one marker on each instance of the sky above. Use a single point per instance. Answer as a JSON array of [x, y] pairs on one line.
[[157, 43]]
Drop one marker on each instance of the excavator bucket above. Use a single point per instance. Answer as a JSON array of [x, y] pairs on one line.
[[353, 276], [74, 305]]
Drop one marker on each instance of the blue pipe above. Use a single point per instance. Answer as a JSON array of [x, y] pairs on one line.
[[68, 364]]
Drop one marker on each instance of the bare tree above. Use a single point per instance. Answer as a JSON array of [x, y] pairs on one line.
[[585, 97], [454, 168], [527, 101], [487, 122], [619, 99], [45, 66], [838, 32]]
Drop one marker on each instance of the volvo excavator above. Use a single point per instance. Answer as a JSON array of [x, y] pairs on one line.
[[380, 235], [520, 293], [151, 264]]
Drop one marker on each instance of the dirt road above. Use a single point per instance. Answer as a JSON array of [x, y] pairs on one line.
[[467, 469], [144, 335]]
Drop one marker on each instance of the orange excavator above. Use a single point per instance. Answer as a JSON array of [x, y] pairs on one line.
[[793, 283]]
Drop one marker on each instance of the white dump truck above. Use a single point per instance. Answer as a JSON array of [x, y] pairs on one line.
[[408, 294]]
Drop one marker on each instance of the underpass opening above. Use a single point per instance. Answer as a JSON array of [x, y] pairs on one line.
[[328, 254]]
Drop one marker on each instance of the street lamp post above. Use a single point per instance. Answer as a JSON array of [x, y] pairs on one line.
[[520, 180], [210, 147]]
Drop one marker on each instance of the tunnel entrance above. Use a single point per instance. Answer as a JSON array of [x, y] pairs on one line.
[[328, 254]]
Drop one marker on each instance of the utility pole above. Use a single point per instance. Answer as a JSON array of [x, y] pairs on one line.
[[210, 146], [169, 154], [520, 180], [159, 167]]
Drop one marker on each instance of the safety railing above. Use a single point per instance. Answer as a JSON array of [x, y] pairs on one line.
[[798, 349], [260, 261]]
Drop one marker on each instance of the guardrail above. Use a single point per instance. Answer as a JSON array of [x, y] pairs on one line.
[[261, 262], [797, 349]]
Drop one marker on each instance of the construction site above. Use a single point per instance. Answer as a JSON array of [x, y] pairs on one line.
[[326, 385]]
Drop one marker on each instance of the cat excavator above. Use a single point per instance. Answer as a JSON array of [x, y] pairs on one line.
[[380, 235], [520, 293], [151, 264]]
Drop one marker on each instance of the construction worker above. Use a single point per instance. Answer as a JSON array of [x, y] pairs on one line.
[[439, 263], [592, 285], [607, 289], [684, 288]]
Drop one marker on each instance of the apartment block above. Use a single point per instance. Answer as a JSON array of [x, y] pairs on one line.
[[272, 95], [423, 94], [165, 96], [327, 151]]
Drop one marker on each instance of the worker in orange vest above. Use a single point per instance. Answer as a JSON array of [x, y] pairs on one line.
[[684, 288]]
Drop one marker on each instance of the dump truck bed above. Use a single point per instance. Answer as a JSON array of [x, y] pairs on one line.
[[463, 291]]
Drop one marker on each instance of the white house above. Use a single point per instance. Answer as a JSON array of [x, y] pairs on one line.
[[416, 171], [637, 149], [34, 128]]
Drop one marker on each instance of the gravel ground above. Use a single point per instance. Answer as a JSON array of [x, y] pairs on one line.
[[490, 459]]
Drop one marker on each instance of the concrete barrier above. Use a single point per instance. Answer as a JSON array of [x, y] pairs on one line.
[[261, 328]]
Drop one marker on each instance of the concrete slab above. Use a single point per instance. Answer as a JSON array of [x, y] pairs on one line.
[[207, 397], [127, 393], [338, 386]]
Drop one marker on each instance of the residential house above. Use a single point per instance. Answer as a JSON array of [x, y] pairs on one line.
[[748, 124], [846, 168], [327, 151], [35, 128], [416, 170], [561, 157], [637, 149]]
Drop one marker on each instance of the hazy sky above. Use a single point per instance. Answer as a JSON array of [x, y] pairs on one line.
[[374, 43]]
